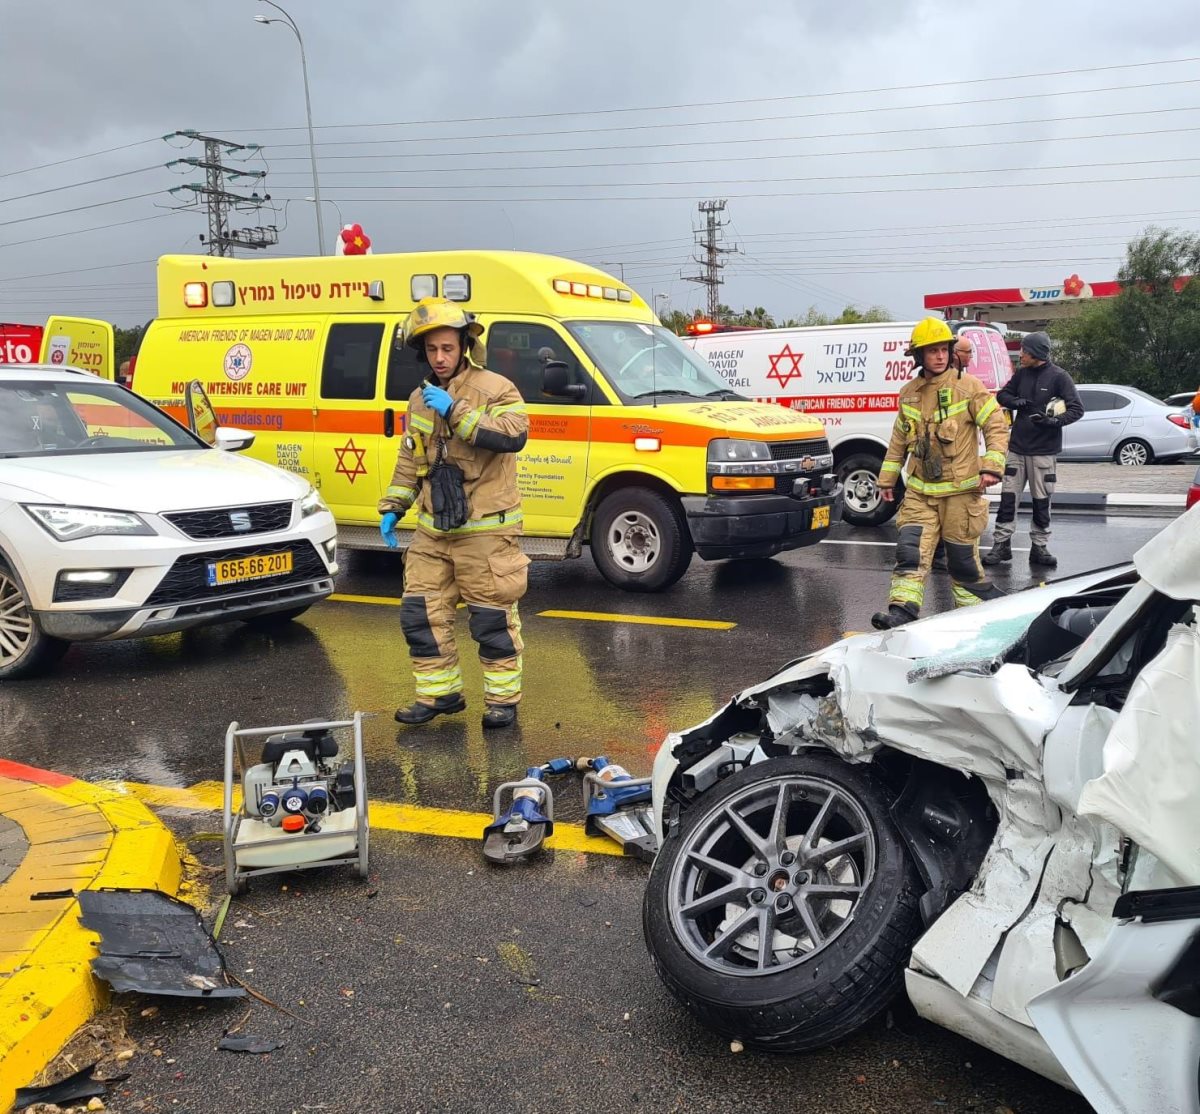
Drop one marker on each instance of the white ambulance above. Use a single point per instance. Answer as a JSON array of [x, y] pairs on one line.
[[849, 376]]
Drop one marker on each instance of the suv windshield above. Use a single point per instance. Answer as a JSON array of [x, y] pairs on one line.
[[85, 416], [647, 361]]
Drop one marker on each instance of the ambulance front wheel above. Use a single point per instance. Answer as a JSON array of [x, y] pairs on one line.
[[640, 540], [864, 506]]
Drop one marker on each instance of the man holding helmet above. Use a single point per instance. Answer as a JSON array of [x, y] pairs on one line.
[[457, 463], [942, 411]]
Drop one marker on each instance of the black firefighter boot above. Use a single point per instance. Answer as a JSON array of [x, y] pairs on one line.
[[1040, 555], [418, 713], [894, 616], [999, 554]]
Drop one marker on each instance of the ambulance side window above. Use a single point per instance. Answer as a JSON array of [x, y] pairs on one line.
[[404, 373], [351, 361], [518, 350]]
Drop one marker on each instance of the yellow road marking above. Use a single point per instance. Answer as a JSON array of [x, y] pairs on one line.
[[589, 616], [208, 796], [648, 620], [386, 601]]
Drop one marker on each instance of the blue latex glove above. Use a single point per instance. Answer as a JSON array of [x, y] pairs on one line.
[[387, 527], [437, 399]]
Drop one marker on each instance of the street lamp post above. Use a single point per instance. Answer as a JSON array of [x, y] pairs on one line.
[[287, 21], [337, 208]]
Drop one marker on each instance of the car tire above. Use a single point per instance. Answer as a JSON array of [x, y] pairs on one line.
[[25, 649], [862, 504], [640, 540], [1134, 453], [275, 619], [819, 994]]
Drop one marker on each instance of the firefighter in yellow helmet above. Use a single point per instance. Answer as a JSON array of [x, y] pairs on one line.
[[458, 464], [942, 412]]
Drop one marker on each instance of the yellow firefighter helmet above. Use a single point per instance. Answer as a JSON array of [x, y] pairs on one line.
[[930, 330], [440, 313]]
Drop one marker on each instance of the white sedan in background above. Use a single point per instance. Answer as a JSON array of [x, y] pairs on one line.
[[116, 522], [1128, 426]]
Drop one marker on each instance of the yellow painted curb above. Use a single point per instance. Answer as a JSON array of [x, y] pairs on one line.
[[80, 837], [207, 796]]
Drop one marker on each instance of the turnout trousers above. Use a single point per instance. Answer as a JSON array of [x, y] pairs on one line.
[[924, 520], [1039, 473], [487, 572]]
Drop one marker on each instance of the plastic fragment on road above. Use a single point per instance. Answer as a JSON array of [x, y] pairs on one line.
[[256, 1045], [67, 1092], [152, 943]]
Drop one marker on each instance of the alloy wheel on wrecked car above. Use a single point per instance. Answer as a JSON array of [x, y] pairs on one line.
[[772, 876]]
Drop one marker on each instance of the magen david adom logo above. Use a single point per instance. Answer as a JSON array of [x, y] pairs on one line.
[[238, 361]]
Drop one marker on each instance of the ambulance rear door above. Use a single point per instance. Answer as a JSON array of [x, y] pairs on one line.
[[349, 417], [82, 343]]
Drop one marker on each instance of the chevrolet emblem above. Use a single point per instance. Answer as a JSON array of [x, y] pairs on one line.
[[808, 464]]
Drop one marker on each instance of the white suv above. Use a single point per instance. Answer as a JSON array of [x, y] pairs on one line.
[[117, 522]]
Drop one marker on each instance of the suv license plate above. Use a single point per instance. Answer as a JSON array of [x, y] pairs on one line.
[[820, 517], [238, 569]]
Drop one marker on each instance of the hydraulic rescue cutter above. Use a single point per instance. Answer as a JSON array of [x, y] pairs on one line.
[[618, 805], [520, 832], [303, 803]]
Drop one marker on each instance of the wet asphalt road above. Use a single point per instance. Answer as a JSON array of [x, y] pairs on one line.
[[454, 986]]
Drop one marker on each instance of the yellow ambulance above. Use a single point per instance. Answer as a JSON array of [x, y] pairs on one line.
[[637, 447]]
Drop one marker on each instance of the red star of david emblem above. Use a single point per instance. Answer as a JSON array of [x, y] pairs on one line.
[[356, 468], [783, 376]]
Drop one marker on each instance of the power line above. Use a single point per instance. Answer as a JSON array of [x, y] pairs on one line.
[[756, 119], [80, 270], [708, 159], [778, 193], [77, 185], [80, 208], [746, 100], [82, 231], [775, 181], [656, 144], [78, 158]]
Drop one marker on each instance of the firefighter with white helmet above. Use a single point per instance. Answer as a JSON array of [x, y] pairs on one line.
[[458, 464], [942, 412]]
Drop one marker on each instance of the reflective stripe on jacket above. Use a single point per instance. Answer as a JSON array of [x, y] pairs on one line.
[[946, 413], [486, 427]]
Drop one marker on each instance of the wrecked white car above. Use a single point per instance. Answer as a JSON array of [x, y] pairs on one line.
[[996, 809]]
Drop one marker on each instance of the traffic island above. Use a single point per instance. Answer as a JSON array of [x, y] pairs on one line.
[[58, 837]]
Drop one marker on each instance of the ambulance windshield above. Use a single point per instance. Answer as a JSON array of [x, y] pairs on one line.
[[648, 361]]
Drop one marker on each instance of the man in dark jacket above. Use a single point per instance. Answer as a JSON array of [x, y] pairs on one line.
[[1043, 399]]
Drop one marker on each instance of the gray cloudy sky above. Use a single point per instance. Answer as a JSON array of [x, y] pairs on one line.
[[836, 193]]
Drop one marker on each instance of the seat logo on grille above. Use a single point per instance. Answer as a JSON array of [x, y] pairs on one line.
[[240, 521]]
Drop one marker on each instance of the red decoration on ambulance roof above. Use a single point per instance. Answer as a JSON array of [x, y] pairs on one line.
[[354, 241]]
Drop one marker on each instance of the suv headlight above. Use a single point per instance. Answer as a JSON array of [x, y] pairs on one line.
[[312, 504], [69, 523]]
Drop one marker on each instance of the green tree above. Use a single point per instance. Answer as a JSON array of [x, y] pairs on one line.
[[848, 316], [1148, 336], [126, 341]]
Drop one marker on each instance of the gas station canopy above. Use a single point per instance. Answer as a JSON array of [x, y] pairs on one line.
[[1021, 308], [1024, 309]]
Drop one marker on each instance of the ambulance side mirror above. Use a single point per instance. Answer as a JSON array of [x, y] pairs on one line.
[[556, 381], [232, 440]]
